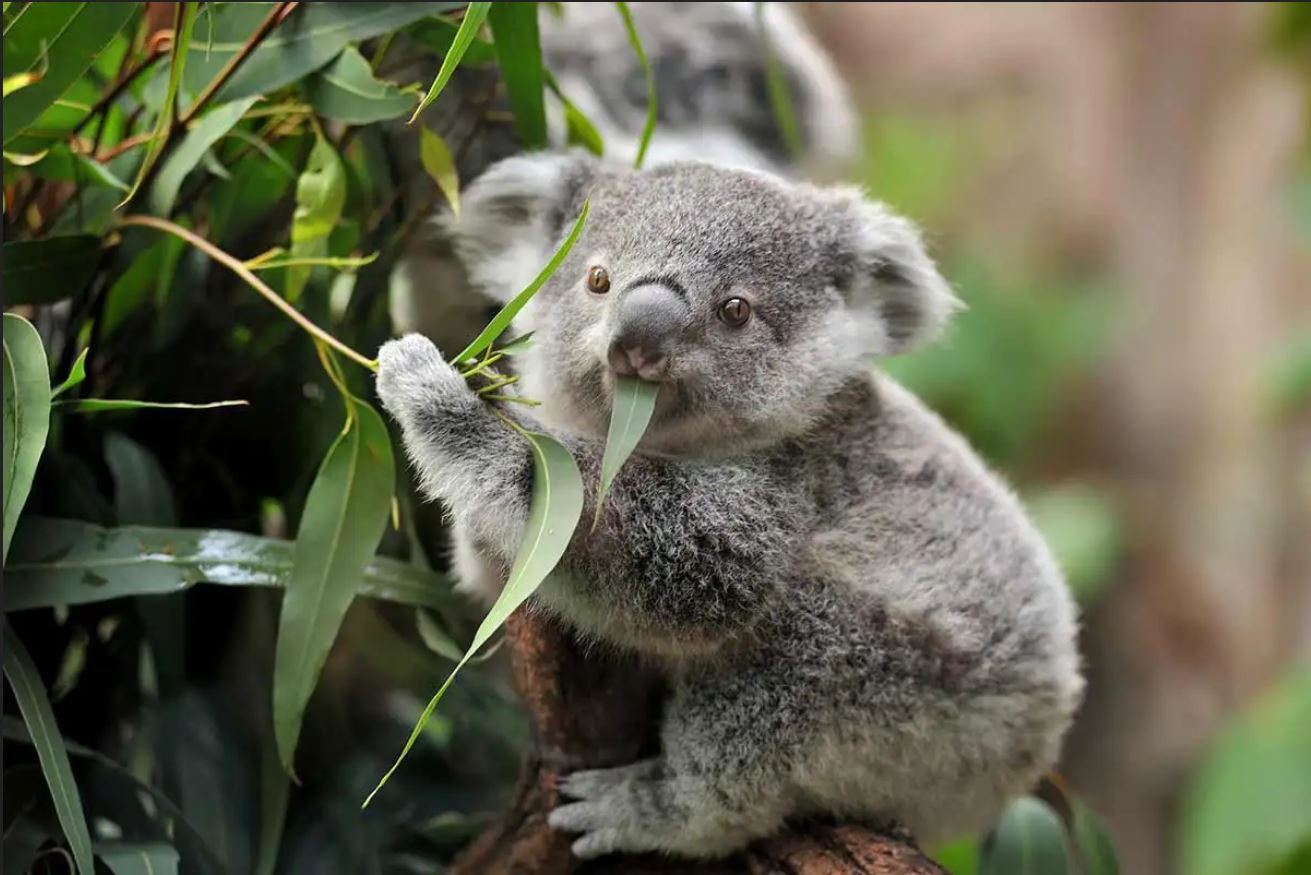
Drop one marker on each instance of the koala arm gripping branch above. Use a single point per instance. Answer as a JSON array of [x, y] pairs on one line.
[[687, 549]]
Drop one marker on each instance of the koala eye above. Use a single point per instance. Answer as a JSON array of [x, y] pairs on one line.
[[734, 312], [598, 281]]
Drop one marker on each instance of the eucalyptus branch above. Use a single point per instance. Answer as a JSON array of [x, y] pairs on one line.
[[272, 20], [239, 268], [119, 86]]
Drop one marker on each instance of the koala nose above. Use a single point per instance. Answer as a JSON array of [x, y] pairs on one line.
[[635, 359], [649, 318]]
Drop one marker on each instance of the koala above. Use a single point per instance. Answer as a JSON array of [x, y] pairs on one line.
[[853, 613], [712, 75]]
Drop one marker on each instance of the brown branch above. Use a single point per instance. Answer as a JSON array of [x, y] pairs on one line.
[[591, 711], [272, 20], [118, 87]]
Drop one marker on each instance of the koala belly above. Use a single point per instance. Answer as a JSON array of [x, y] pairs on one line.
[[841, 712]]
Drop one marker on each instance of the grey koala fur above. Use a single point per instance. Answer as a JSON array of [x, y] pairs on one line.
[[854, 614]]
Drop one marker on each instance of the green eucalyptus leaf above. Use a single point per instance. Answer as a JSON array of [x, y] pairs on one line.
[[204, 133], [142, 495], [320, 198], [474, 16], [519, 345], [1029, 840], [58, 41], [1096, 850], [164, 126], [345, 516], [62, 164], [519, 55], [14, 730], [437, 160], [581, 131], [69, 562], [347, 91], [435, 638], [634, 404], [132, 858], [308, 38], [34, 705], [49, 270], [1249, 805], [26, 415], [652, 106], [505, 316], [439, 35], [557, 504], [100, 405], [76, 375]]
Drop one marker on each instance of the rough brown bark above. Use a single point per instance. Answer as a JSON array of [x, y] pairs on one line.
[[594, 709]]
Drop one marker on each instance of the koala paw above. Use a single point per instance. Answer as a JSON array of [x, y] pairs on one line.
[[613, 811], [413, 377]]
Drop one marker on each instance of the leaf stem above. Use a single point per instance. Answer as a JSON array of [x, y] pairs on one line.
[[236, 266]]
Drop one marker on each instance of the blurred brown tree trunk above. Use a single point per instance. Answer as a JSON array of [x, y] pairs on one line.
[[591, 711]]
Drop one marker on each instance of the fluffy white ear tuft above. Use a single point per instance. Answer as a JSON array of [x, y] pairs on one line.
[[891, 276], [514, 215]]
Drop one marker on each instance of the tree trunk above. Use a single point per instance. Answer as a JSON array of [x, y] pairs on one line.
[[595, 710]]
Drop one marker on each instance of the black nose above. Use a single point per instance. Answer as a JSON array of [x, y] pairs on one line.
[[648, 321]]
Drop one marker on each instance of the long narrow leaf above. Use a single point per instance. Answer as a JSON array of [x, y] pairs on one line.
[[186, 23], [187, 154], [556, 506], [124, 858], [502, 319], [69, 562], [45, 271], [100, 405], [76, 375], [634, 403], [307, 40], [652, 106], [346, 90], [345, 516], [519, 55], [437, 160], [581, 131], [60, 41], [14, 730], [474, 16], [26, 415], [34, 705], [320, 197]]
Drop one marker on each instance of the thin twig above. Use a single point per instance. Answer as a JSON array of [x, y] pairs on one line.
[[117, 88], [272, 20], [125, 144], [236, 266]]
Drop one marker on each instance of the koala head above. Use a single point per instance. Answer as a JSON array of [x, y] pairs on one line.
[[752, 300]]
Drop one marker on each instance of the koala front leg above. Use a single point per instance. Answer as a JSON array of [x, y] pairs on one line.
[[464, 455], [717, 787]]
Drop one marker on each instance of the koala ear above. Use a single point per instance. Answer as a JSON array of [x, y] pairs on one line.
[[514, 215], [887, 275]]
